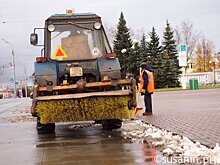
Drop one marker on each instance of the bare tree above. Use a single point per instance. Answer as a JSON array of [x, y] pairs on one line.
[[110, 32], [177, 33], [185, 34], [137, 34]]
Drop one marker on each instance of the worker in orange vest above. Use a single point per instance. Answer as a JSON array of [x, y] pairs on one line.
[[146, 87]]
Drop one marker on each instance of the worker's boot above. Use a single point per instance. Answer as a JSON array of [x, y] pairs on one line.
[[147, 113]]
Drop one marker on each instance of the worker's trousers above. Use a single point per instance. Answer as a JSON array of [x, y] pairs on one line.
[[148, 102]]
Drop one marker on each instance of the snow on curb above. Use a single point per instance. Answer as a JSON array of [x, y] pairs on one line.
[[171, 145]]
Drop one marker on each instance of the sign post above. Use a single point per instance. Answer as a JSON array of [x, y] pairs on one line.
[[183, 61], [183, 55]]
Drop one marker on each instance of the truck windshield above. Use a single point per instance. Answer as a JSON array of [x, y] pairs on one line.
[[72, 42]]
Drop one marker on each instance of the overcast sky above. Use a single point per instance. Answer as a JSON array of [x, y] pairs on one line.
[[22, 16]]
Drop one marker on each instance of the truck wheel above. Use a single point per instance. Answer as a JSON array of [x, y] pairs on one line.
[[45, 128], [111, 124]]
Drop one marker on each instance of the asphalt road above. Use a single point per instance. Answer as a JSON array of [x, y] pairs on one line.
[[194, 114], [73, 143]]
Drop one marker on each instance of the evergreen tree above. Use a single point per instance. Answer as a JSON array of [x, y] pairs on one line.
[[166, 72], [133, 60], [154, 53], [143, 51], [171, 69], [122, 41]]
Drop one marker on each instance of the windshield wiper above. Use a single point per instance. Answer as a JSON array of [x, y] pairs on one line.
[[72, 23], [56, 35]]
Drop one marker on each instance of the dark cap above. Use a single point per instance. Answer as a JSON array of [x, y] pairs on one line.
[[143, 64]]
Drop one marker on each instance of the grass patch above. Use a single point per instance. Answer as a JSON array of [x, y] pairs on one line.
[[169, 89], [180, 88], [210, 87]]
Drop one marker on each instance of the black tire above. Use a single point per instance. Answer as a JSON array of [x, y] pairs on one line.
[[111, 124], [45, 128]]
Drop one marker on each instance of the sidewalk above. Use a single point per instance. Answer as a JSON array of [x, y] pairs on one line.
[[194, 114]]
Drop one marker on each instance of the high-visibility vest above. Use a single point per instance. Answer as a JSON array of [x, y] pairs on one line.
[[150, 85]]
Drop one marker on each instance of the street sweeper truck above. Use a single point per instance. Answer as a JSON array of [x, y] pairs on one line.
[[77, 77]]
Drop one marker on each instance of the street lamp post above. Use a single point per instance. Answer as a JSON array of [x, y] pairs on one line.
[[214, 71], [214, 61], [13, 64], [25, 75]]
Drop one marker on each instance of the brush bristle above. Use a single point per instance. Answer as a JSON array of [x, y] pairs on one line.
[[92, 108]]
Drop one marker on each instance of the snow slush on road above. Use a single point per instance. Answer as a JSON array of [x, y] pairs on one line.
[[175, 148]]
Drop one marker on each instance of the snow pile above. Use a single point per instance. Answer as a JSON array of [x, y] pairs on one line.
[[169, 143], [123, 51]]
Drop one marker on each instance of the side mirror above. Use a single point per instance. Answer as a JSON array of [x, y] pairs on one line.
[[34, 39]]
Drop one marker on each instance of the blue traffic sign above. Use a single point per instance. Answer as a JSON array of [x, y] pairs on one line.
[[11, 80], [182, 48]]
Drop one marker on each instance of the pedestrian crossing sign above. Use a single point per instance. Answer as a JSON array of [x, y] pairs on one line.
[[59, 53]]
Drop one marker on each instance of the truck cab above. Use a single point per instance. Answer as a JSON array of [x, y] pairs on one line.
[[75, 47]]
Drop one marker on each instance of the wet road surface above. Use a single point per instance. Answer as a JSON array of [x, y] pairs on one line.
[[73, 143]]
